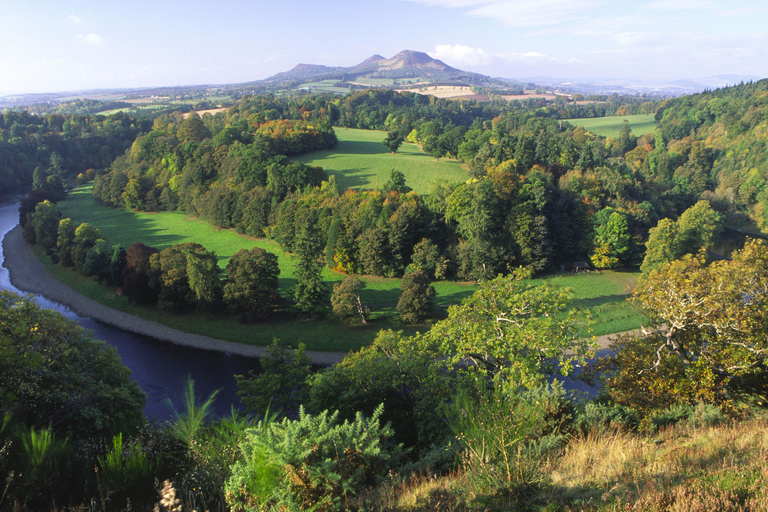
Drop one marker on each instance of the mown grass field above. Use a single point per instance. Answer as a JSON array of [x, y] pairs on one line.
[[602, 293], [360, 161], [611, 126]]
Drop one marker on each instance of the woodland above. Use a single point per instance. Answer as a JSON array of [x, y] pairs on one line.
[[468, 415]]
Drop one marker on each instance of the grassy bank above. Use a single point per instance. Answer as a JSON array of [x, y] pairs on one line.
[[603, 293]]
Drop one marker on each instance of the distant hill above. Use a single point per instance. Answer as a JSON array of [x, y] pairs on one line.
[[406, 64]]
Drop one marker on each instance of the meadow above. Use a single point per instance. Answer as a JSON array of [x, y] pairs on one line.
[[602, 293], [360, 161], [611, 126]]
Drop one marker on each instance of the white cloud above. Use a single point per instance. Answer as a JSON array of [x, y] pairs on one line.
[[91, 39], [522, 13], [75, 19], [531, 58], [459, 55], [681, 5]]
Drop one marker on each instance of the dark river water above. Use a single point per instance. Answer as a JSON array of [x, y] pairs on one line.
[[160, 368]]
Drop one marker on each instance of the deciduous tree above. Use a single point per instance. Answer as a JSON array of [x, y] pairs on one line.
[[346, 301], [417, 298], [250, 291]]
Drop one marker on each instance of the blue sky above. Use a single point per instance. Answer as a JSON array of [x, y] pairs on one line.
[[50, 46]]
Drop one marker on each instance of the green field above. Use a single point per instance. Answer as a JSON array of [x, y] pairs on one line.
[[603, 293], [611, 126], [360, 161]]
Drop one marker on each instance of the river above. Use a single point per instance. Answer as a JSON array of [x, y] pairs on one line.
[[160, 368]]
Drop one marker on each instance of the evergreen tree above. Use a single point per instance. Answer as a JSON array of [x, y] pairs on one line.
[[309, 290]]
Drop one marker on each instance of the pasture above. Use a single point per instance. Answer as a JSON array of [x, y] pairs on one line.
[[602, 293], [640, 124], [360, 161]]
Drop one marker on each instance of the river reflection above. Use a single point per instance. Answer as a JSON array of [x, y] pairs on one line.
[[160, 368]]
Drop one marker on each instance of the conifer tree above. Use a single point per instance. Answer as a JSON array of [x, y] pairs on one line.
[[309, 290]]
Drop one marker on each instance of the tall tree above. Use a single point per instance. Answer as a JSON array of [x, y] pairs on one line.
[[309, 290], [250, 291], [417, 298], [393, 141], [346, 301]]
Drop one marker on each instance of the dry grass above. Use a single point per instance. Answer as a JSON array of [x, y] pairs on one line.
[[621, 467], [681, 469]]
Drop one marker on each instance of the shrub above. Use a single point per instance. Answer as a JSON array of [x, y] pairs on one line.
[[504, 435], [594, 416], [312, 462], [126, 474]]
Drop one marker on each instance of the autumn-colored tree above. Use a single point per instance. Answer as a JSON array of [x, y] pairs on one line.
[[136, 274], [714, 325]]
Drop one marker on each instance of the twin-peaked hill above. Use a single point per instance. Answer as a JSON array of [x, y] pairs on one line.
[[406, 64]]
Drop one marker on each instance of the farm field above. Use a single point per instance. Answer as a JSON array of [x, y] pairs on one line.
[[360, 161], [603, 293], [640, 124]]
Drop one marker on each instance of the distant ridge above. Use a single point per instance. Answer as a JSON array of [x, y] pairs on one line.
[[406, 64]]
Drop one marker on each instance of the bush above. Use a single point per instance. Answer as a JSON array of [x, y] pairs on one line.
[[313, 462], [126, 474], [695, 416], [505, 434], [594, 416]]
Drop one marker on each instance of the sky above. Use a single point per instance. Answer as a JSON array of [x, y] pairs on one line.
[[73, 45]]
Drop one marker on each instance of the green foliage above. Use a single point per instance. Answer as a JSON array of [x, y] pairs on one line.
[[612, 240], [417, 298], [513, 330], [396, 182], [699, 226], [45, 224], [346, 301], [53, 373], [699, 415], [309, 290], [406, 374], [126, 475], [189, 423], [322, 464], [497, 432], [281, 385], [393, 141], [250, 291], [427, 257], [597, 417], [45, 470]]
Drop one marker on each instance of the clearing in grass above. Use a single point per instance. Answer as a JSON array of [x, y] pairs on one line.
[[360, 161]]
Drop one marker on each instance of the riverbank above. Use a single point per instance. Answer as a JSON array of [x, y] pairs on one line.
[[28, 274]]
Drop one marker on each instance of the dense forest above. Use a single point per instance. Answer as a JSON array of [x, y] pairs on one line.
[[464, 416], [540, 193]]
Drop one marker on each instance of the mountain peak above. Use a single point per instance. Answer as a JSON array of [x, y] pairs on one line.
[[407, 63]]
